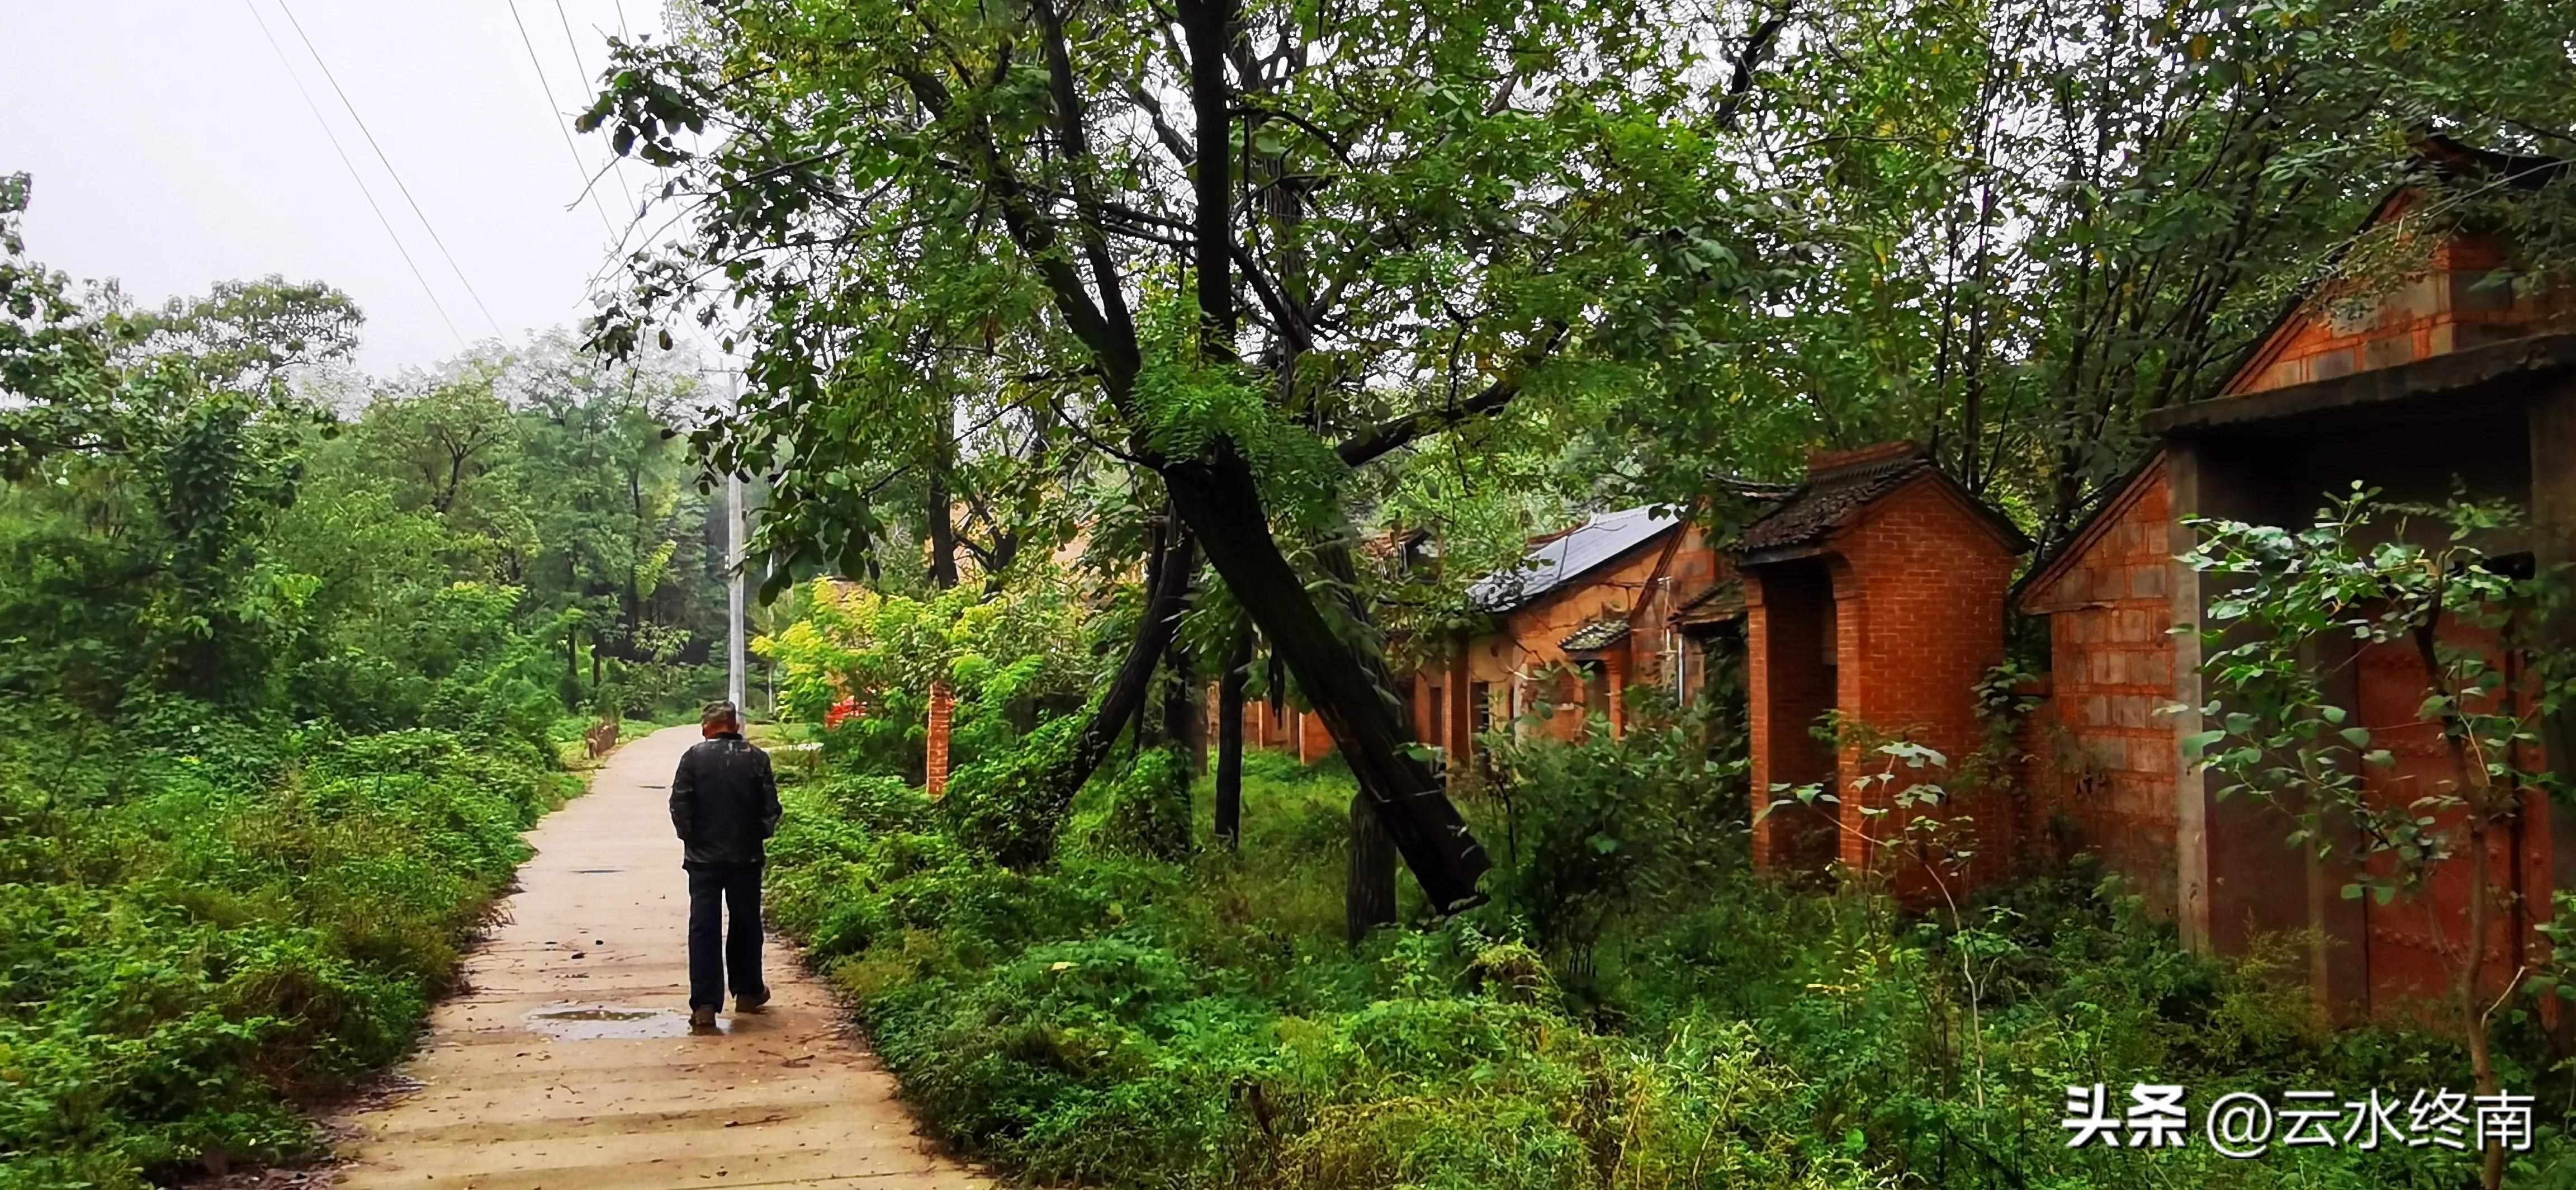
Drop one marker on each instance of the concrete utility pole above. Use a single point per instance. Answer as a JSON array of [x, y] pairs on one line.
[[736, 656]]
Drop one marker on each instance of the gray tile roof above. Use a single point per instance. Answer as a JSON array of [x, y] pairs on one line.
[[1827, 501], [1833, 497], [1562, 559], [1599, 634]]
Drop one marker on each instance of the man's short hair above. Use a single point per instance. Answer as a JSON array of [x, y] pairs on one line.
[[720, 711]]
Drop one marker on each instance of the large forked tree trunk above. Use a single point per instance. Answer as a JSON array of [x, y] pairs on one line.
[[1222, 503], [1221, 499], [1229, 740], [1216, 493]]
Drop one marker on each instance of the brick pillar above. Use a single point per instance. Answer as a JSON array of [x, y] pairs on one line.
[[1458, 734], [1757, 729], [1870, 696], [1787, 685], [935, 772]]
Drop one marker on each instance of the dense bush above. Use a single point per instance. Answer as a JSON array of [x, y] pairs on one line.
[[1119, 1019], [279, 689], [883, 651], [222, 917]]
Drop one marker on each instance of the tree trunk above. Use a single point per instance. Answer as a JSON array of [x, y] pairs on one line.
[[1221, 499], [1181, 709], [1222, 502], [1205, 24], [2474, 787], [1165, 596], [1366, 904], [943, 531], [1229, 740], [2481, 1052], [1368, 891]]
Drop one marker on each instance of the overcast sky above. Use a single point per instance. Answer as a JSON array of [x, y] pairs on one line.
[[170, 150]]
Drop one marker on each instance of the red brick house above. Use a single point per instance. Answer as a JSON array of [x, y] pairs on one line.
[[1620, 600], [2447, 376], [1875, 592], [1582, 620]]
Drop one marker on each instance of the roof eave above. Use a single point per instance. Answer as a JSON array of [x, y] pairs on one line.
[[2451, 373]]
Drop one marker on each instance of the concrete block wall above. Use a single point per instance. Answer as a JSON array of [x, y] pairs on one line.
[[2105, 760], [2449, 306]]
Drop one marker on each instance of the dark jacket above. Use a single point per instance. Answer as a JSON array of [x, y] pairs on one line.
[[724, 802]]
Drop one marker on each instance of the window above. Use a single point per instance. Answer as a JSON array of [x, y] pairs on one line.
[[1481, 706]]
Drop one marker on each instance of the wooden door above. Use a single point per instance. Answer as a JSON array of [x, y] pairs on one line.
[[2416, 943]]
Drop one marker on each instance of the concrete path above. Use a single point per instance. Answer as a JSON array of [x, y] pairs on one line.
[[568, 1061]]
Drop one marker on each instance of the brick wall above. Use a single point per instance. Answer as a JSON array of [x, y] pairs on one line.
[[1645, 584], [1921, 620], [1313, 742], [2103, 777], [1521, 662]]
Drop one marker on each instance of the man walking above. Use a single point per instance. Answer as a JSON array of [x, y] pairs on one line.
[[724, 803]]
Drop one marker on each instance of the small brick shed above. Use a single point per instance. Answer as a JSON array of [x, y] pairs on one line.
[[2445, 377], [1875, 591], [1593, 611], [1585, 619]]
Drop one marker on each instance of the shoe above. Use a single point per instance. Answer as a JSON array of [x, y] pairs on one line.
[[702, 1018], [759, 1003]]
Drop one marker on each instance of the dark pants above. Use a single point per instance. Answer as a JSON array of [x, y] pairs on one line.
[[711, 885]]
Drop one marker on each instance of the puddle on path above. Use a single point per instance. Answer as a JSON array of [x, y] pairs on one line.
[[607, 1022]]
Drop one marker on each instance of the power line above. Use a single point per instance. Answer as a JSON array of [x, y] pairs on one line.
[[617, 163], [556, 110], [434, 237], [352, 167]]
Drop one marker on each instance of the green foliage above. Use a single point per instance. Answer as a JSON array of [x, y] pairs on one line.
[[1590, 832], [1120, 1020], [1009, 806], [214, 921], [277, 700], [1005, 659], [1145, 809]]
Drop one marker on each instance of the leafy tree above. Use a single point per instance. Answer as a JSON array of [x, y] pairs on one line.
[[252, 332], [434, 434], [1242, 249], [2026, 223]]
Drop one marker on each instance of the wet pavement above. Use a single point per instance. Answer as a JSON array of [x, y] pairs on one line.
[[568, 1061]]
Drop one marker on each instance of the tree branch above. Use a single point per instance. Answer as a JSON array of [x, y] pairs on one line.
[[1757, 47], [1393, 434]]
